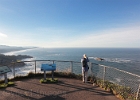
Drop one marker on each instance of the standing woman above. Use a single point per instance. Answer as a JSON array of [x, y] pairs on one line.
[[85, 67]]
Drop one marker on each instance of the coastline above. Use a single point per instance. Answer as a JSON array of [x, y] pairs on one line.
[[16, 51], [8, 60], [123, 59]]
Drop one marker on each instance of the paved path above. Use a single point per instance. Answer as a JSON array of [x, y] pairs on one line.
[[65, 89]]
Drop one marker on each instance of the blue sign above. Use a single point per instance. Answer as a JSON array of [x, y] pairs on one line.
[[48, 67]]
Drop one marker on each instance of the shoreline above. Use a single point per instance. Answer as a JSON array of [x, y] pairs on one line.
[[16, 51], [8, 60]]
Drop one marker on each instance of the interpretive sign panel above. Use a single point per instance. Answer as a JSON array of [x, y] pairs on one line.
[[48, 67]]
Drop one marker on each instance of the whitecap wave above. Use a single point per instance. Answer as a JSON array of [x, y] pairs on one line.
[[117, 60], [93, 58]]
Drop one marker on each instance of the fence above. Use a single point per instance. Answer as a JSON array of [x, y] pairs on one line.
[[121, 82], [35, 65]]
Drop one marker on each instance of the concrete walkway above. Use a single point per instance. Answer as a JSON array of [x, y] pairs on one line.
[[65, 89]]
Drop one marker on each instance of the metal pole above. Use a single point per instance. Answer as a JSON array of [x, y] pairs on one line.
[[52, 75], [44, 75], [71, 66], [5, 76], [53, 61], [35, 66], [104, 75], [90, 66], [53, 72], [14, 70]]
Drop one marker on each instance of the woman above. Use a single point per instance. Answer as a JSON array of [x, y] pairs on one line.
[[85, 67]]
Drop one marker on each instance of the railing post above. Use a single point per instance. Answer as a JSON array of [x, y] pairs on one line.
[[14, 69], [5, 76], [137, 95], [35, 66], [104, 72], [53, 73], [71, 66], [44, 75], [53, 61], [90, 66]]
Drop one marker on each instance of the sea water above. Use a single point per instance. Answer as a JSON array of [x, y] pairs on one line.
[[127, 59]]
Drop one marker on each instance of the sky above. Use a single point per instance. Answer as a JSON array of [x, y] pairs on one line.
[[70, 23]]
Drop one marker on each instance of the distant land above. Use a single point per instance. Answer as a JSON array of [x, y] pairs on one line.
[[5, 48], [6, 60]]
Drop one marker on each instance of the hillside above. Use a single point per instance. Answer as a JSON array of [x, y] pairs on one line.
[[6, 60], [4, 48]]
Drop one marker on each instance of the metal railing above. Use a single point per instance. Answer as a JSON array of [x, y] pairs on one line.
[[122, 81], [125, 83], [35, 65]]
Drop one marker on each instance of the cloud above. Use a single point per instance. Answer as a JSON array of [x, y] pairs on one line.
[[120, 37], [117, 37], [3, 35]]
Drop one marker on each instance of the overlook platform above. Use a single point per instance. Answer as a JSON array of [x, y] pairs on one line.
[[65, 89]]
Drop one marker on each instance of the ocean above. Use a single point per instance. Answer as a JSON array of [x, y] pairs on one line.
[[127, 59]]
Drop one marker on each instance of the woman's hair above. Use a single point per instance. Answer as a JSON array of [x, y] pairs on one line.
[[84, 56]]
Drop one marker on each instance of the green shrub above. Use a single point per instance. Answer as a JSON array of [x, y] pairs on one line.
[[49, 80], [122, 91], [4, 85]]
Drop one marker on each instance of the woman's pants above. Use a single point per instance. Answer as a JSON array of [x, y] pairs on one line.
[[84, 75]]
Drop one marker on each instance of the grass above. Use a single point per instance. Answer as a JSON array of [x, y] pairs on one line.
[[4, 85], [49, 80]]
